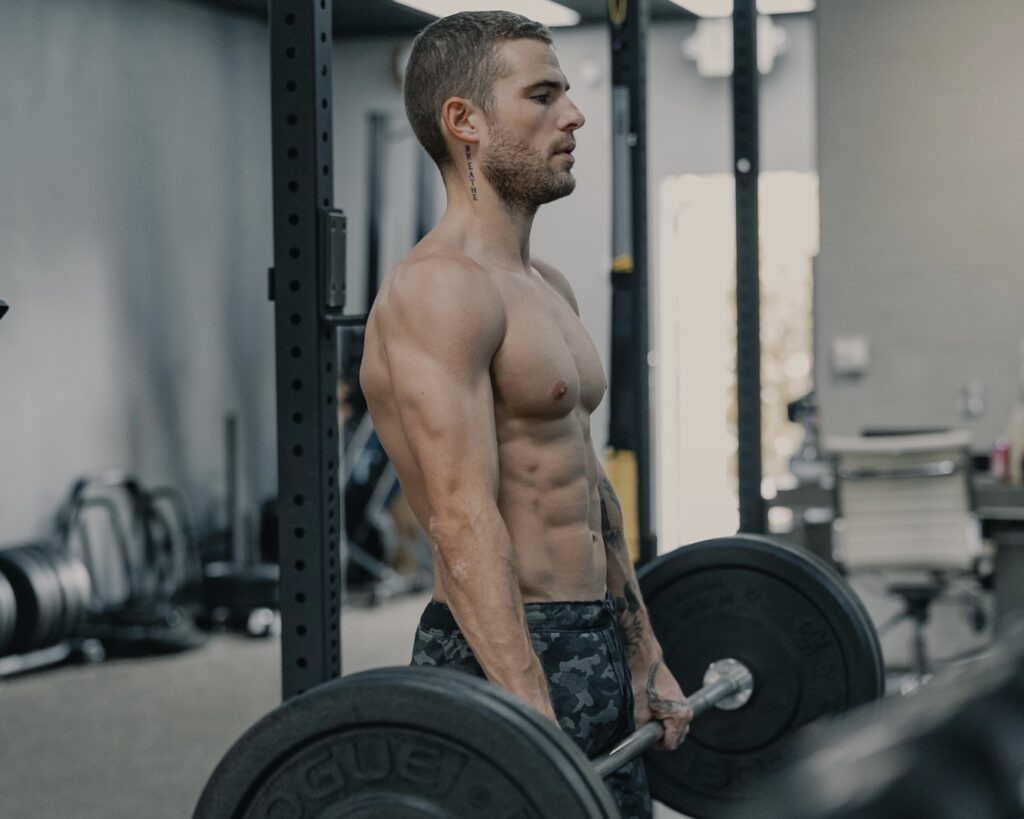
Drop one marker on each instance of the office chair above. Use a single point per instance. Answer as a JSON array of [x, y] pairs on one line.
[[905, 509]]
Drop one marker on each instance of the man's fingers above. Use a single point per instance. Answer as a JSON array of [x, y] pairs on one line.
[[672, 739], [676, 728], [680, 713]]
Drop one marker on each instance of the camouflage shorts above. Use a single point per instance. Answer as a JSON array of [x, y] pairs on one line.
[[579, 647]]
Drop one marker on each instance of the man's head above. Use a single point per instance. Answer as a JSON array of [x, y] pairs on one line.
[[490, 81]]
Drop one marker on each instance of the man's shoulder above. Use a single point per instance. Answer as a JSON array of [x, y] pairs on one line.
[[441, 290], [557, 280], [440, 273]]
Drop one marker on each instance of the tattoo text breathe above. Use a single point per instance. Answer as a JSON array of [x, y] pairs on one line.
[[472, 176]]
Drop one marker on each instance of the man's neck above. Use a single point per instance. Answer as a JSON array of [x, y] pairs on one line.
[[486, 230]]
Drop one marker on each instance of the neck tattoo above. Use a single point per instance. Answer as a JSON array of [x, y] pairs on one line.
[[472, 176]]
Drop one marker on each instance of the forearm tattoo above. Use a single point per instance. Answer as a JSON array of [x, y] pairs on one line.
[[472, 175], [655, 701], [627, 602], [631, 623], [614, 538]]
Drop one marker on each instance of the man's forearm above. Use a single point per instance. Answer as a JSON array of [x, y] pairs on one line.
[[642, 647], [473, 556]]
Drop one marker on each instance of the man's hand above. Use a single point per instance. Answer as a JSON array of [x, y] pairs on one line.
[[658, 696]]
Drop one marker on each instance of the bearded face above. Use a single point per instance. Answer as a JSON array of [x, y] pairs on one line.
[[524, 177]]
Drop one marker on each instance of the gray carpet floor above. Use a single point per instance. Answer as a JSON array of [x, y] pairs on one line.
[[138, 738]]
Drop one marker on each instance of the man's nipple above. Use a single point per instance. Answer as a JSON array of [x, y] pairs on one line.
[[559, 390]]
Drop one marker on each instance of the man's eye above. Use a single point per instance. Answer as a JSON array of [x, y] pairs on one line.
[[542, 97]]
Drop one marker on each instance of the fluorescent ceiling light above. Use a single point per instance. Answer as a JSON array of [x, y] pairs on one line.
[[543, 11], [723, 8]]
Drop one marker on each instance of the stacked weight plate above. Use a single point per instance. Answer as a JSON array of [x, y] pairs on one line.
[[8, 613], [44, 597]]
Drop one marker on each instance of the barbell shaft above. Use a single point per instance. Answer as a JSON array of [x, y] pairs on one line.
[[642, 739], [649, 735]]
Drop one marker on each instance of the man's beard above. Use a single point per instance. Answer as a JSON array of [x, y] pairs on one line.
[[522, 179]]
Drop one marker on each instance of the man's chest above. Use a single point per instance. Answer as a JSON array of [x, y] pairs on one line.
[[547, 365]]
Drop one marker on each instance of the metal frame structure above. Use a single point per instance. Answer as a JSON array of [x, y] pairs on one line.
[[629, 426], [377, 125], [308, 299], [747, 166]]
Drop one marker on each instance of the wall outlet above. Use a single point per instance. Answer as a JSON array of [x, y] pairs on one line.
[[850, 356], [972, 399]]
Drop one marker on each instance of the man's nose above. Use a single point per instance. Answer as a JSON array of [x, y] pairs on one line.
[[575, 118]]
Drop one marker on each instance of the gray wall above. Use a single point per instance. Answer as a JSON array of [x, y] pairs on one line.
[[922, 201], [134, 242], [135, 224]]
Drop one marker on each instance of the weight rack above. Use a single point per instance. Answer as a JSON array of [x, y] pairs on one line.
[[308, 292]]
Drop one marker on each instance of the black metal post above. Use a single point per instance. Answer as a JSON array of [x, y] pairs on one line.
[[378, 145], [306, 352], [231, 500], [629, 428], [746, 154]]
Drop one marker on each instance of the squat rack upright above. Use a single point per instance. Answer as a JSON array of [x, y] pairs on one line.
[[629, 429], [307, 286]]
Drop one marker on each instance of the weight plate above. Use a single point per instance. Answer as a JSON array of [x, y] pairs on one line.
[[77, 576], [38, 599], [53, 601], [405, 743], [792, 620], [20, 577], [62, 597], [75, 586], [8, 614]]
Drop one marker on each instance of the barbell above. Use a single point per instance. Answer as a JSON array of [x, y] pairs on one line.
[[770, 634], [728, 685]]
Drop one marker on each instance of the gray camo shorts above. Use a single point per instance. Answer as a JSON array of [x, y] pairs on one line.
[[581, 652]]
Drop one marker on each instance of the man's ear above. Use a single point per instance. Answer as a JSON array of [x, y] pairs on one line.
[[461, 120]]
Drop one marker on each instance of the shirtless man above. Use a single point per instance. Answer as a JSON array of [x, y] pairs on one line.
[[481, 380]]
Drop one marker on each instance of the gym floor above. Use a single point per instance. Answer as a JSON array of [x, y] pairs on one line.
[[138, 738]]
